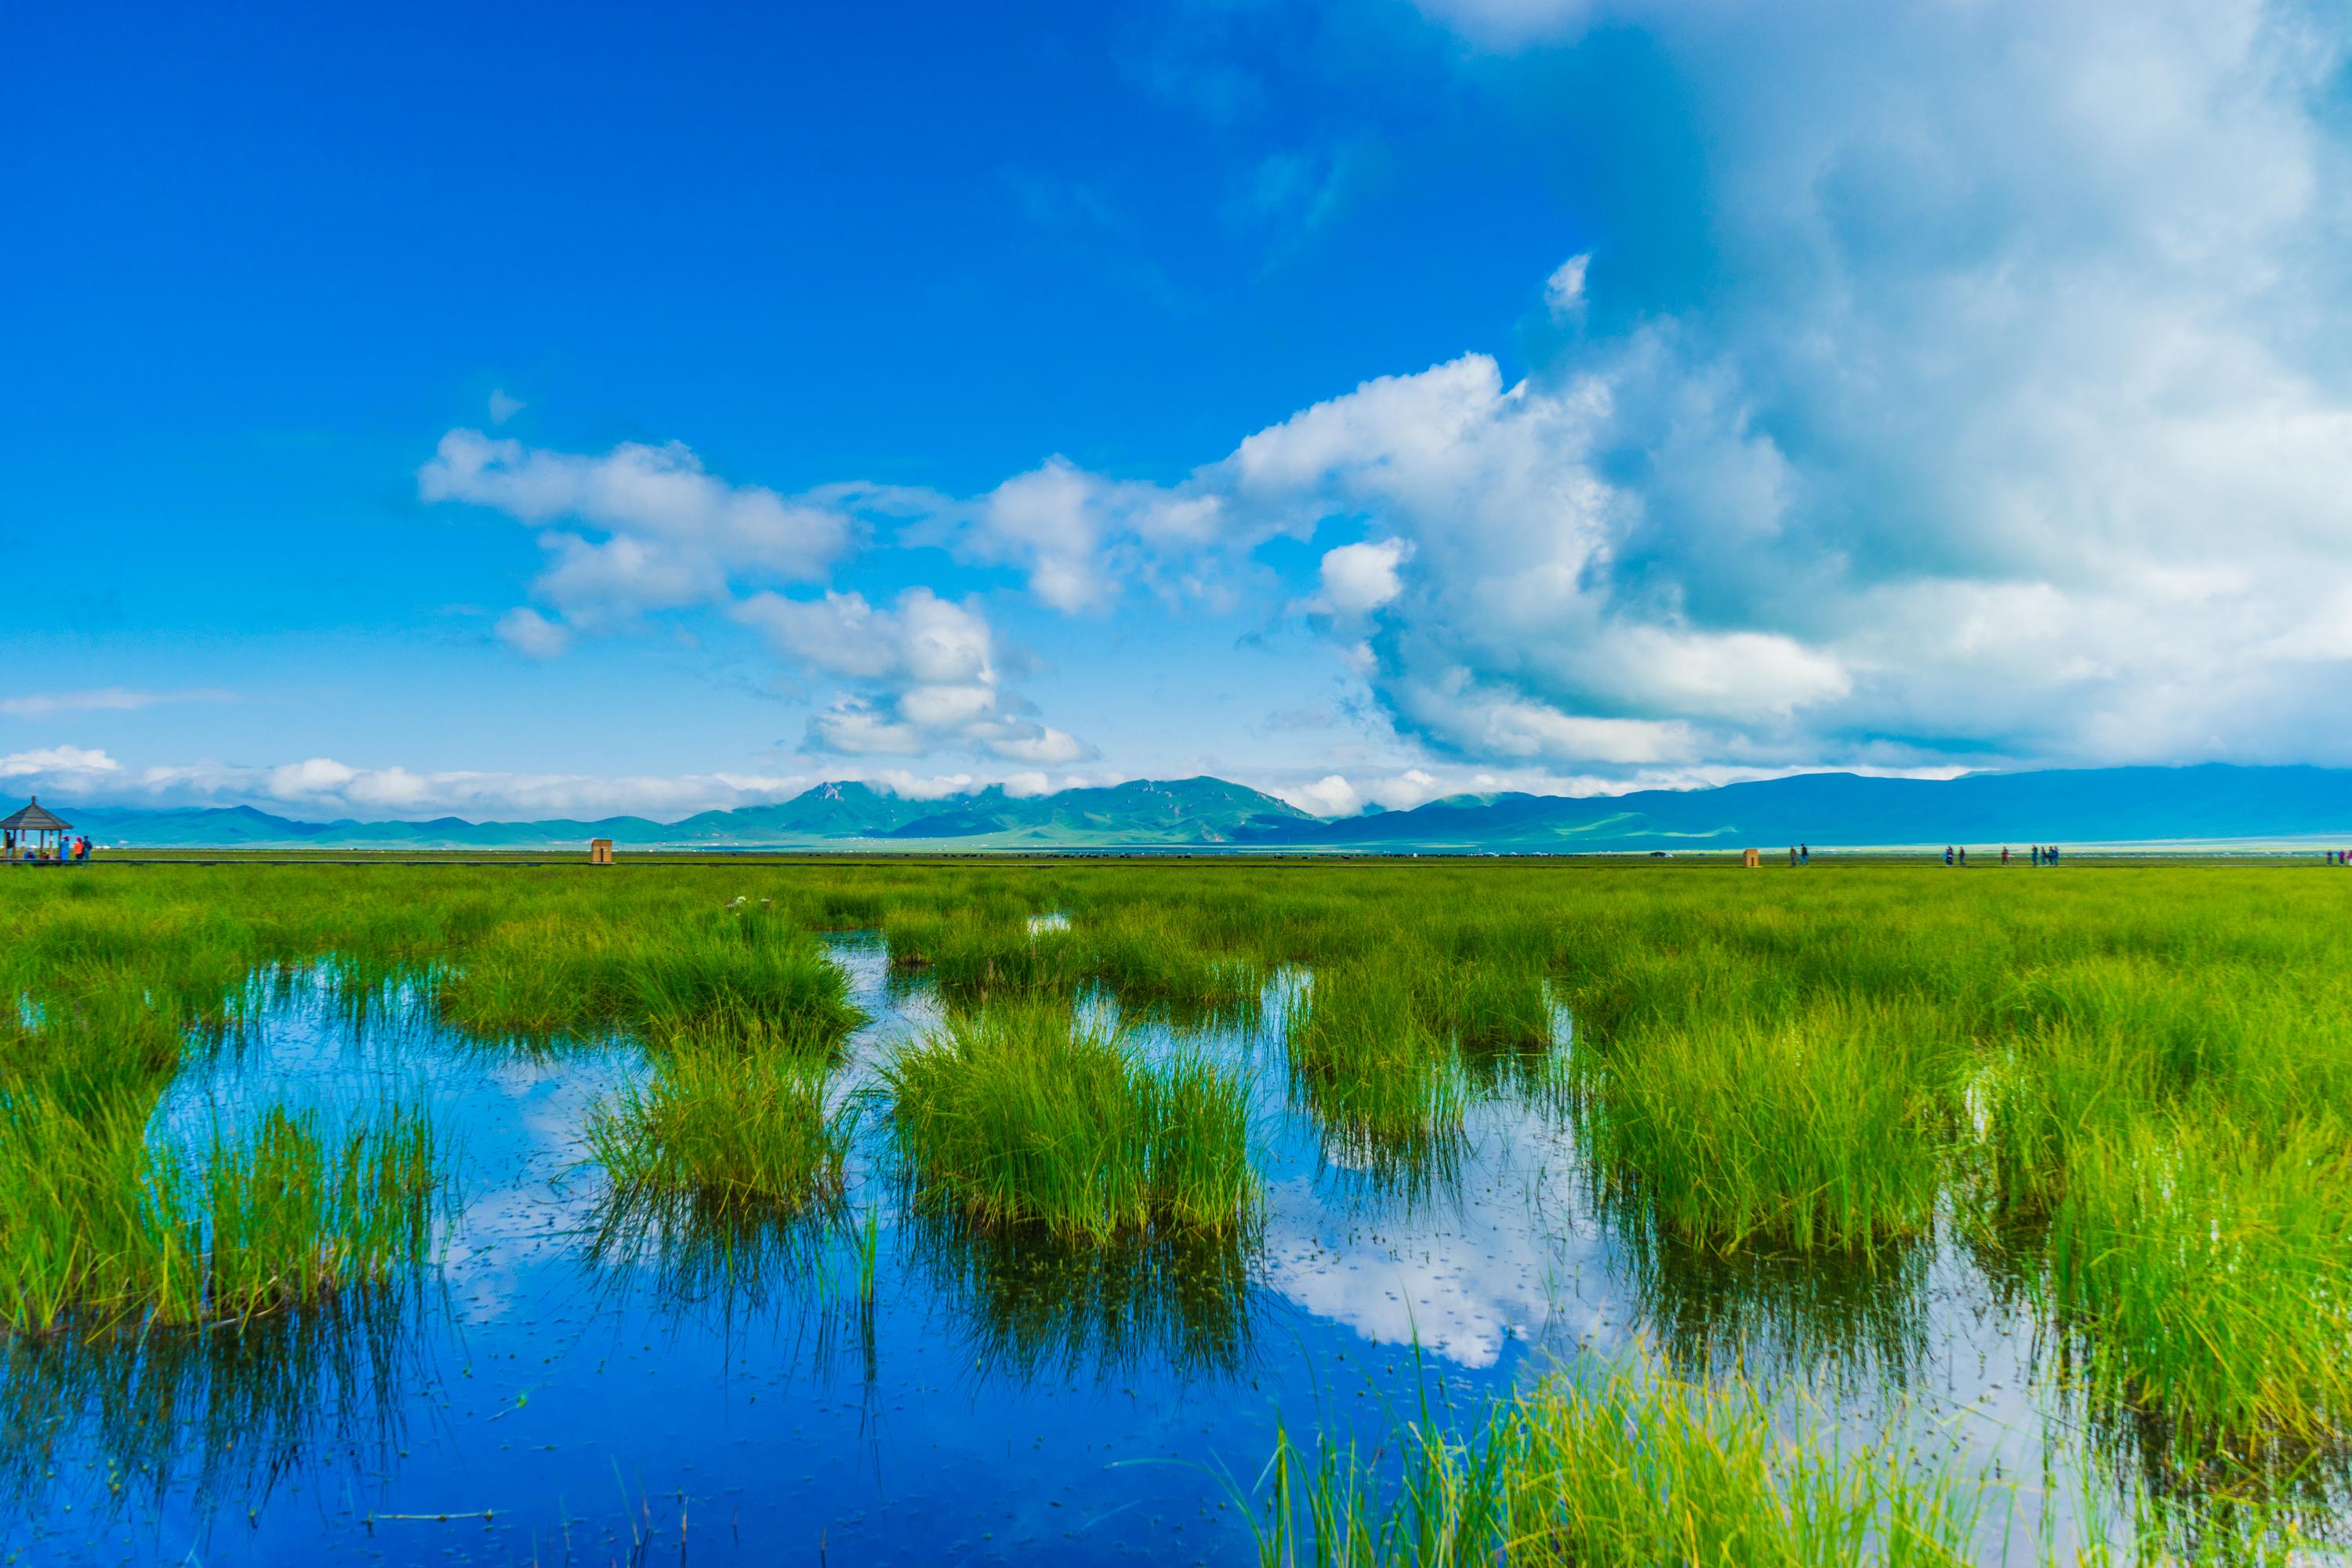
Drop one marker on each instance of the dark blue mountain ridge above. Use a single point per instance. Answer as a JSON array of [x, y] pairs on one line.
[[2097, 806], [2211, 802]]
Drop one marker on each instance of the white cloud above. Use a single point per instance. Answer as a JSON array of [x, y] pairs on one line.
[[531, 634], [1360, 578], [1564, 289], [854, 727], [674, 537], [105, 699], [1081, 537], [503, 408], [1402, 789], [1988, 403], [1330, 796], [326, 787], [1019, 740], [921, 639], [604, 585], [65, 764], [315, 777], [928, 670], [673, 533], [1971, 383]]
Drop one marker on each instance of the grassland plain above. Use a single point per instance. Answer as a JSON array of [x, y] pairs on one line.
[[2127, 1091]]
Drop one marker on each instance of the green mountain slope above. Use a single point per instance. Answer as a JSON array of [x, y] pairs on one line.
[[2109, 806]]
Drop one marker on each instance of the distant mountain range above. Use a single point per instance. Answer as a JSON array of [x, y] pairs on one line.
[[2103, 806]]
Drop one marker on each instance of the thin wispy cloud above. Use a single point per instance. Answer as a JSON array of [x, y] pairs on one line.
[[105, 699]]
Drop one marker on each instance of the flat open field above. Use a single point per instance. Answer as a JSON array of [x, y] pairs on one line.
[[1182, 1210]]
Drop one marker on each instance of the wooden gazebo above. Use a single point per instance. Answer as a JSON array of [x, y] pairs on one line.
[[36, 833]]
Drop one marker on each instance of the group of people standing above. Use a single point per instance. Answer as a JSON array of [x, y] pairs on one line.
[[1957, 854], [76, 848], [2043, 854]]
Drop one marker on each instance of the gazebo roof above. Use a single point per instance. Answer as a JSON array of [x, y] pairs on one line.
[[35, 818]]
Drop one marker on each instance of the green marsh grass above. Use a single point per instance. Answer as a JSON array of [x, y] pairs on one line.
[[746, 970], [1818, 1130], [99, 1228], [1387, 1089], [974, 961], [291, 1219], [723, 1128], [1809, 1064], [1629, 1468], [2205, 1275], [1020, 1114]]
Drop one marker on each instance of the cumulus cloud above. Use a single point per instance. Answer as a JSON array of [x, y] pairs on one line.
[[652, 529], [1360, 578], [69, 765], [1080, 537], [1997, 413], [1970, 398], [658, 532], [921, 639], [1330, 796], [1985, 406], [927, 671]]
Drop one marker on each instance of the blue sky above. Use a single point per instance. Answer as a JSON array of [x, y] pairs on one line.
[[499, 413]]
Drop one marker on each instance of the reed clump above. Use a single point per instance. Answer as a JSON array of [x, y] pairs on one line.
[[2204, 1275], [99, 1229], [725, 1128], [1815, 1130], [974, 959], [1383, 1084], [290, 1218], [746, 969], [1018, 1115]]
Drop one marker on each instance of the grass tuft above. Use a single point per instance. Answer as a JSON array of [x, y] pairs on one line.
[[1630, 1469], [2206, 1274], [1016, 1115], [97, 1229], [1813, 1131], [724, 1129], [1387, 1089]]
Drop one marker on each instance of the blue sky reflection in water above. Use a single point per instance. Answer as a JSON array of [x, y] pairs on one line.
[[994, 1404]]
